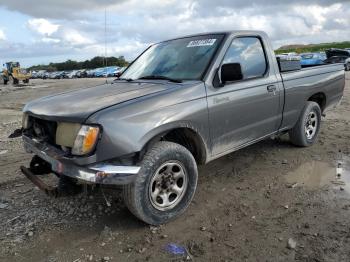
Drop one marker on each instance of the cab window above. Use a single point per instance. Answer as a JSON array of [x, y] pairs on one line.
[[249, 52]]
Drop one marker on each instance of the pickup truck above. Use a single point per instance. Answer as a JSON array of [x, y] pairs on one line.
[[339, 56], [182, 103]]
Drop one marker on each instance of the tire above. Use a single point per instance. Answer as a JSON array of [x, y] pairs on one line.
[[347, 67], [13, 80], [306, 130], [164, 161]]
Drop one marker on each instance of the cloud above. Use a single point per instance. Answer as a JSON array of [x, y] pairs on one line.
[[42, 26], [32, 50], [75, 38], [294, 22], [56, 33], [50, 40], [2, 35], [76, 27], [57, 9]]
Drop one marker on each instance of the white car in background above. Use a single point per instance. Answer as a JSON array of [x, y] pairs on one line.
[[72, 74]]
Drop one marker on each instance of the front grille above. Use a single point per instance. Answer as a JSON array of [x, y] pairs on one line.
[[42, 130]]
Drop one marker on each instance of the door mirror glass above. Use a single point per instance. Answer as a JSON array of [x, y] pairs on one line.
[[231, 72]]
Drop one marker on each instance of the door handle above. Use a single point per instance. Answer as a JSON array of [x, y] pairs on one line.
[[271, 88]]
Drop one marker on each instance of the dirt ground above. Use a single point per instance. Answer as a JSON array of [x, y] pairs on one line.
[[268, 202]]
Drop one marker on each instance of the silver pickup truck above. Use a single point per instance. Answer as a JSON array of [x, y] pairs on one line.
[[182, 103]]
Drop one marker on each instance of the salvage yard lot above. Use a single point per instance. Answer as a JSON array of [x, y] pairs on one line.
[[268, 202]]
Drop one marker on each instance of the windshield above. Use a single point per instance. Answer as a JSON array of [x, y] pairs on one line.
[[181, 59], [307, 56]]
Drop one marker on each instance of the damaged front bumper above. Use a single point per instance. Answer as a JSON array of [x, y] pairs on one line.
[[101, 173]]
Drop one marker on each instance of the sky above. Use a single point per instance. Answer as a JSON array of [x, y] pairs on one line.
[[43, 31]]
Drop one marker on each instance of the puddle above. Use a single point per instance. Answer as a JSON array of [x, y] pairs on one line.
[[38, 86], [317, 174]]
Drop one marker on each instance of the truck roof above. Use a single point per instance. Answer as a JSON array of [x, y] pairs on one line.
[[236, 32]]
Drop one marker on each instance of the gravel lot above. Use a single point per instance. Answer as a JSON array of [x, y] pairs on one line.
[[268, 202]]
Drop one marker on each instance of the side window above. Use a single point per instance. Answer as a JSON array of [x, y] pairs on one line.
[[247, 51]]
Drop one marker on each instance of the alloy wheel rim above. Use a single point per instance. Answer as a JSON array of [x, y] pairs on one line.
[[168, 185], [311, 125]]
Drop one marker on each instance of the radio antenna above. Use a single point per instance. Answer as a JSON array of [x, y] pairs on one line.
[[105, 58]]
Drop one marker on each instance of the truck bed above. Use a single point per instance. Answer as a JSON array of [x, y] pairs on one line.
[[300, 85]]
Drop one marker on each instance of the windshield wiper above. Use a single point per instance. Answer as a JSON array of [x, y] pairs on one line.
[[162, 78]]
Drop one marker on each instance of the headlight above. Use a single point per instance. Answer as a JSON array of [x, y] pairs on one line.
[[86, 140], [25, 121]]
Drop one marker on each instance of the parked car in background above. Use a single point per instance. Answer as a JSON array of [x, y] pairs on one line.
[[57, 75], [34, 75], [46, 75], [71, 74], [81, 73], [38, 74], [120, 71], [52, 75], [311, 59], [291, 55], [112, 71], [339, 56], [100, 72], [89, 73]]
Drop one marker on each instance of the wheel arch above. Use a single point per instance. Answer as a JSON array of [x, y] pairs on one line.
[[319, 98], [183, 134]]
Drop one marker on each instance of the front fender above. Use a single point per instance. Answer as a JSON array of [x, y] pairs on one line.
[[128, 127], [162, 130]]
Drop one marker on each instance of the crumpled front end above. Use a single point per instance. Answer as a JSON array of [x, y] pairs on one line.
[[41, 138], [101, 173]]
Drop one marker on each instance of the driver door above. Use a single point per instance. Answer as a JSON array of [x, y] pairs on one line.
[[243, 111]]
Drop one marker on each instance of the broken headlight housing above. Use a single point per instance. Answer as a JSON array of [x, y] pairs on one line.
[[85, 140]]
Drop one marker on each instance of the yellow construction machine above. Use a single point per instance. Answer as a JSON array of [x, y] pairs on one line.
[[13, 73]]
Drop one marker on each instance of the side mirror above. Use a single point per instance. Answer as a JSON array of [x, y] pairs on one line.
[[231, 72]]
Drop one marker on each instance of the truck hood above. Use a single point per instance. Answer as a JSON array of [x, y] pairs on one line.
[[78, 105]]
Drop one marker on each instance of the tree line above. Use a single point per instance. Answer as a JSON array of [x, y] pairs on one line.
[[98, 61], [312, 47]]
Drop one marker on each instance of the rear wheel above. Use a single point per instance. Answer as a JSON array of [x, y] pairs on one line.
[[165, 184], [306, 130]]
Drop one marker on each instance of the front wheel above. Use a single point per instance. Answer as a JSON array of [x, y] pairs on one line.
[[165, 184], [347, 67], [306, 130], [13, 80]]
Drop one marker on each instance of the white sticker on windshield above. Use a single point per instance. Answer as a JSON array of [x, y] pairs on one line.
[[202, 42]]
